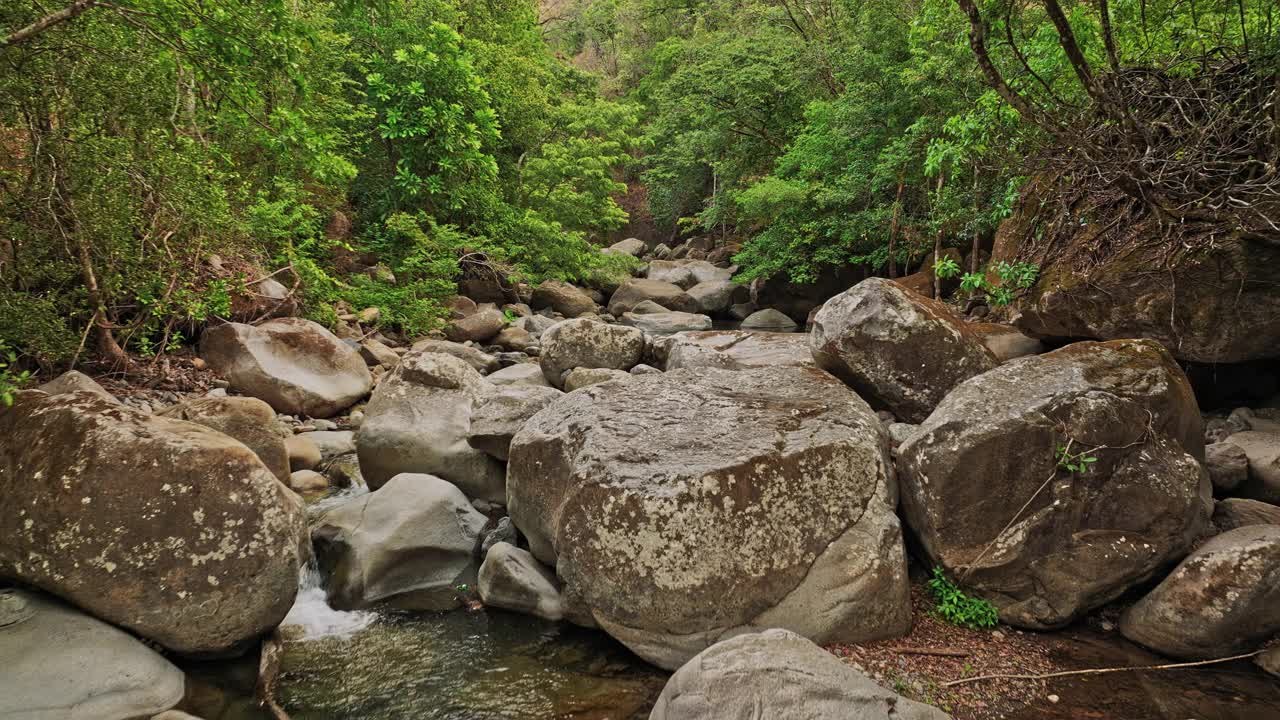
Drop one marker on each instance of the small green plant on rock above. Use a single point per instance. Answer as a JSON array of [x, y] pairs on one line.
[[946, 268], [958, 608], [1012, 278], [10, 380], [1076, 463]]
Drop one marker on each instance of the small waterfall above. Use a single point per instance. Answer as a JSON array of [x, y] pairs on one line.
[[311, 618]]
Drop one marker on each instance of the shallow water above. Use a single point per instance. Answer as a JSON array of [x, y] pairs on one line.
[[466, 666]]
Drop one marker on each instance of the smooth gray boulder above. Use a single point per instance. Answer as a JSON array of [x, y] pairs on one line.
[[666, 323], [769, 319], [161, 526], [778, 674], [410, 545], [418, 421], [1228, 465], [900, 351], [501, 416], [75, 381], [986, 493], [585, 343], [375, 352], [480, 361], [676, 272], [637, 290], [295, 365], [714, 297], [1006, 342], [737, 350], [61, 664], [631, 246], [249, 420], [1223, 599], [479, 327], [527, 373], [331, 443], [674, 537], [512, 579], [646, 308]]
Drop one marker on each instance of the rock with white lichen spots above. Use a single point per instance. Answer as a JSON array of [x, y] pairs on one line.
[[295, 365], [987, 490], [674, 537], [249, 420], [161, 526], [1222, 600], [900, 351]]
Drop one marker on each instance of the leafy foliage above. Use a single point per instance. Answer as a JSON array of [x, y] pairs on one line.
[[1075, 463], [958, 608]]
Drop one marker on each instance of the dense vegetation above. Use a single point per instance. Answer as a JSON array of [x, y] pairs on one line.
[[142, 137]]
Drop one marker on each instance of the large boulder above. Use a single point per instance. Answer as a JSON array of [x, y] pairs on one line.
[[529, 373], [295, 365], [512, 579], [1105, 275], [900, 351], [634, 247], [778, 674], [165, 527], [1228, 465], [249, 420], [666, 323], [637, 290], [590, 344], [769, 319], [734, 350], [1222, 600], [1006, 342], [563, 298], [578, 378], [418, 421], [502, 415], [714, 297], [684, 507], [61, 664], [985, 489], [410, 545], [1261, 449], [675, 272]]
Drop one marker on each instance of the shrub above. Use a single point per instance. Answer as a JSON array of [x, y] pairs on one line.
[[958, 608]]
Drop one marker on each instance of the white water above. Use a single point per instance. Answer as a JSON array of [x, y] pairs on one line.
[[311, 618]]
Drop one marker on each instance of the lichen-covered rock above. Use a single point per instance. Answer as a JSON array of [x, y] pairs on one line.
[[76, 381], [295, 365], [1261, 449], [674, 537], [528, 373], [901, 352], [61, 664], [249, 420], [1228, 465], [735, 350], [1223, 599], [418, 421], [563, 298], [512, 579], [1233, 513], [588, 343], [503, 413], [410, 544], [165, 527], [637, 290], [984, 490], [778, 674]]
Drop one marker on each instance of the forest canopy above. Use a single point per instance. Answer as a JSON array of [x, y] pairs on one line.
[[368, 147]]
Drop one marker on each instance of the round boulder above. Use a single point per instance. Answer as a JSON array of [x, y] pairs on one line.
[[900, 351], [588, 343], [987, 488], [688, 506], [249, 420], [778, 674], [1224, 599], [165, 527], [637, 290]]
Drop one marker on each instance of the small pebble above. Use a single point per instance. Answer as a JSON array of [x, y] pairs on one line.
[[1054, 699], [997, 635]]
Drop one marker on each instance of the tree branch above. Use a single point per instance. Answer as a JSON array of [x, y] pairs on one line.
[[46, 22]]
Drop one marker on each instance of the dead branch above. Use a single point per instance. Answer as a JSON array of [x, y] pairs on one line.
[[1103, 671]]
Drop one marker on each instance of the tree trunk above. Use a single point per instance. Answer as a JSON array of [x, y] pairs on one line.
[[893, 229], [977, 227], [937, 244]]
